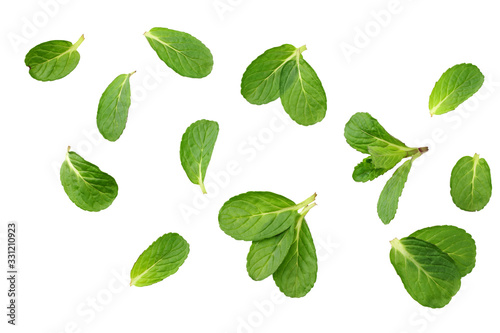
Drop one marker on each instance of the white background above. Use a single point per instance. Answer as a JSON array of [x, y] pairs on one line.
[[69, 259]]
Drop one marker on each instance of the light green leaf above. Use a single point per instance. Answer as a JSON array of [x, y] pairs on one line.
[[471, 183], [301, 92], [254, 216], [454, 87], [389, 198], [86, 185], [429, 275], [265, 256], [185, 54], [453, 241], [260, 83], [160, 260], [363, 131], [197, 145], [113, 108], [297, 273], [386, 157], [53, 60], [366, 171]]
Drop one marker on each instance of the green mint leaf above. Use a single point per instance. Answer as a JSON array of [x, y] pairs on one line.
[[301, 92], [160, 260], [453, 241], [53, 60], [297, 274], [454, 87], [197, 145], [265, 256], [428, 274], [86, 185], [254, 216], [113, 108], [260, 83], [363, 131], [366, 171], [389, 198], [471, 183], [386, 157], [185, 54]]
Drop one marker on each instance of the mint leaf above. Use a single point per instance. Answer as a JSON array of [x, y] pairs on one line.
[[260, 83], [453, 241], [429, 275], [297, 274], [471, 183], [454, 87], [254, 216], [160, 260], [197, 145], [53, 60], [185, 54], [363, 131], [389, 198], [301, 92], [86, 185], [386, 157], [113, 108], [366, 171], [265, 256]]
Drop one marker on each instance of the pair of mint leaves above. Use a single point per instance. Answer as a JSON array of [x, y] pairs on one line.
[[432, 261], [180, 51], [185, 54], [283, 72], [93, 190], [470, 180], [282, 245]]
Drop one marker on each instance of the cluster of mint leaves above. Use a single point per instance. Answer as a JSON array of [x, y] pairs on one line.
[[432, 261], [283, 72], [282, 245]]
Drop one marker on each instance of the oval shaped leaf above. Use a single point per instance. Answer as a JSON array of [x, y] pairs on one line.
[[53, 60], [254, 216], [301, 92], [389, 198], [363, 131], [297, 274], [453, 241], [197, 145], [260, 83], [185, 54], [471, 183], [265, 256], [160, 260], [113, 108], [86, 185], [429, 275], [454, 87]]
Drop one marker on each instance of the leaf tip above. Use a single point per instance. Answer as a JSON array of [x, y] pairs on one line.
[[69, 148]]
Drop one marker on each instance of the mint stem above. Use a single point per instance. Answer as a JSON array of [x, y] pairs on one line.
[[78, 42]]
